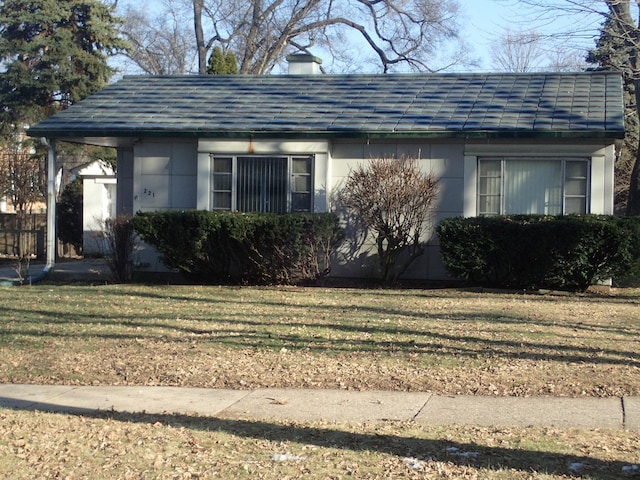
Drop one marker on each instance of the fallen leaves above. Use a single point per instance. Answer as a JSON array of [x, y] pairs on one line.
[[36, 445], [441, 341]]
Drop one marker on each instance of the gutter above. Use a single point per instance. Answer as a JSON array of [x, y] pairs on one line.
[[51, 220], [331, 133]]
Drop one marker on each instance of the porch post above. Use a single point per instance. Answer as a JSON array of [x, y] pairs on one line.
[[51, 203]]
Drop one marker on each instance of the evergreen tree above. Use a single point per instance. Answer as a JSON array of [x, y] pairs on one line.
[[221, 64], [53, 53], [69, 215], [618, 48], [232, 63]]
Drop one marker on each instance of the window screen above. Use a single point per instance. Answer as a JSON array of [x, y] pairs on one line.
[[274, 184]]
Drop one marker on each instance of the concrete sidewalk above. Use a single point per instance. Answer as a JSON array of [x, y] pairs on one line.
[[331, 405]]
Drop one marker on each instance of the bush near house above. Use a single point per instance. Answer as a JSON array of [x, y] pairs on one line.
[[69, 215], [528, 252], [121, 243], [254, 248]]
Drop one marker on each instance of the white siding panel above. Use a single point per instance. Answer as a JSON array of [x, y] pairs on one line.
[[342, 150], [154, 192], [262, 147], [165, 175], [203, 195], [447, 160], [598, 177], [321, 183], [470, 186], [413, 150], [124, 196], [450, 197], [155, 158], [183, 192], [535, 149], [609, 179], [381, 150], [184, 158]]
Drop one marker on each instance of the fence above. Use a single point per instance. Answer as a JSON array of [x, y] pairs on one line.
[[24, 236]]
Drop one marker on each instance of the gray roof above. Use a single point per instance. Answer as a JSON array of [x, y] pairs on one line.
[[574, 105]]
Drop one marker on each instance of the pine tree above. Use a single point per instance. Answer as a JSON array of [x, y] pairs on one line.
[[53, 53], [232, 63], [221, 64]]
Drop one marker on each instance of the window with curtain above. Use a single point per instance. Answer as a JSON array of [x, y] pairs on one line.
[[543, 186], [274, 184]]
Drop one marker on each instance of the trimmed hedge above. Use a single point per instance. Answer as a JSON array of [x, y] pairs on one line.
[[529, 252], [254, 248]]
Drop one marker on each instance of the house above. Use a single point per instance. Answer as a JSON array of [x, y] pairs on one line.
[[98, 203], [499, 143]]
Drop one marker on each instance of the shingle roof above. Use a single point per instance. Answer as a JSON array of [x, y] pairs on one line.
[[546, 104]]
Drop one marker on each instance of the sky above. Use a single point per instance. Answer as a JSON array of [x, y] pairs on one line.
[[483, 21], [487, 19]]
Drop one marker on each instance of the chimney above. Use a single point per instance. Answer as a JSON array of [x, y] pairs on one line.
[[303, 64]]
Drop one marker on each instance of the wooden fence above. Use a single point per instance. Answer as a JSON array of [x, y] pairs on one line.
[[27, 239]]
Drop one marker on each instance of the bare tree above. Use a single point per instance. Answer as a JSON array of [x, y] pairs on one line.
[[517, 51], [22, 177], [529, 51], [393, 198], [162, 41], [615, 27], [23, 184], [409, 34], [566, 59]]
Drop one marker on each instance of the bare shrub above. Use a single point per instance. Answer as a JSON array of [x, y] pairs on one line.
[[120, 242], [393, 198]]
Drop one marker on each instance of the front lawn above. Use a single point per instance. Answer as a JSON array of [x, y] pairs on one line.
[[443, 341]]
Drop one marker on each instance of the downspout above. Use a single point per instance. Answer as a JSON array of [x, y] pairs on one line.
[[51, 219]]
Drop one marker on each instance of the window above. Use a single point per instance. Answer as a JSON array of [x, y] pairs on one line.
[[275, 184], [532, 186]]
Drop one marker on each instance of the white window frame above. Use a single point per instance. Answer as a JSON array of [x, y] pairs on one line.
[[563, 172], [291, 178]]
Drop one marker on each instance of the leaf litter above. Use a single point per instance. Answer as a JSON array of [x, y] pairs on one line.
[[447, 342]]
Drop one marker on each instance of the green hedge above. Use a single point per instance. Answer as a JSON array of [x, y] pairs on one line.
[[255, 248], [528, 252]]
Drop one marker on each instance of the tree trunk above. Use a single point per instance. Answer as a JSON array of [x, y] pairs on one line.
[[633, 204], [202, 48]]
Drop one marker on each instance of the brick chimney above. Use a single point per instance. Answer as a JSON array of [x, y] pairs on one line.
[[303, 64]]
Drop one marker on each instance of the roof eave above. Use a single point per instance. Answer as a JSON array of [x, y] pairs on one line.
[[69, 134]]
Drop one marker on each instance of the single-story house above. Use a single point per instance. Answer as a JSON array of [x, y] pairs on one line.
[[500, 143]]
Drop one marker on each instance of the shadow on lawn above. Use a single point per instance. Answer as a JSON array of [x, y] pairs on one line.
[[303, 296], [366, 336], [332, 436]]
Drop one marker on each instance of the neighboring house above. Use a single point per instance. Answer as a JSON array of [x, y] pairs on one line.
[[98, 203], [499, 143]]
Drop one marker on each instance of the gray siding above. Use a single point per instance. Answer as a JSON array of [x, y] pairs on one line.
[[175, 174], [165, 175], [444, 160], [124, 195]]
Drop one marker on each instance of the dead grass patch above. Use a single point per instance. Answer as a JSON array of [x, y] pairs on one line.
[[36, 445], [442, 341]]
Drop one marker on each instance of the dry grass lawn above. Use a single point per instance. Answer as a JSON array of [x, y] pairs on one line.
[[444, 341]]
